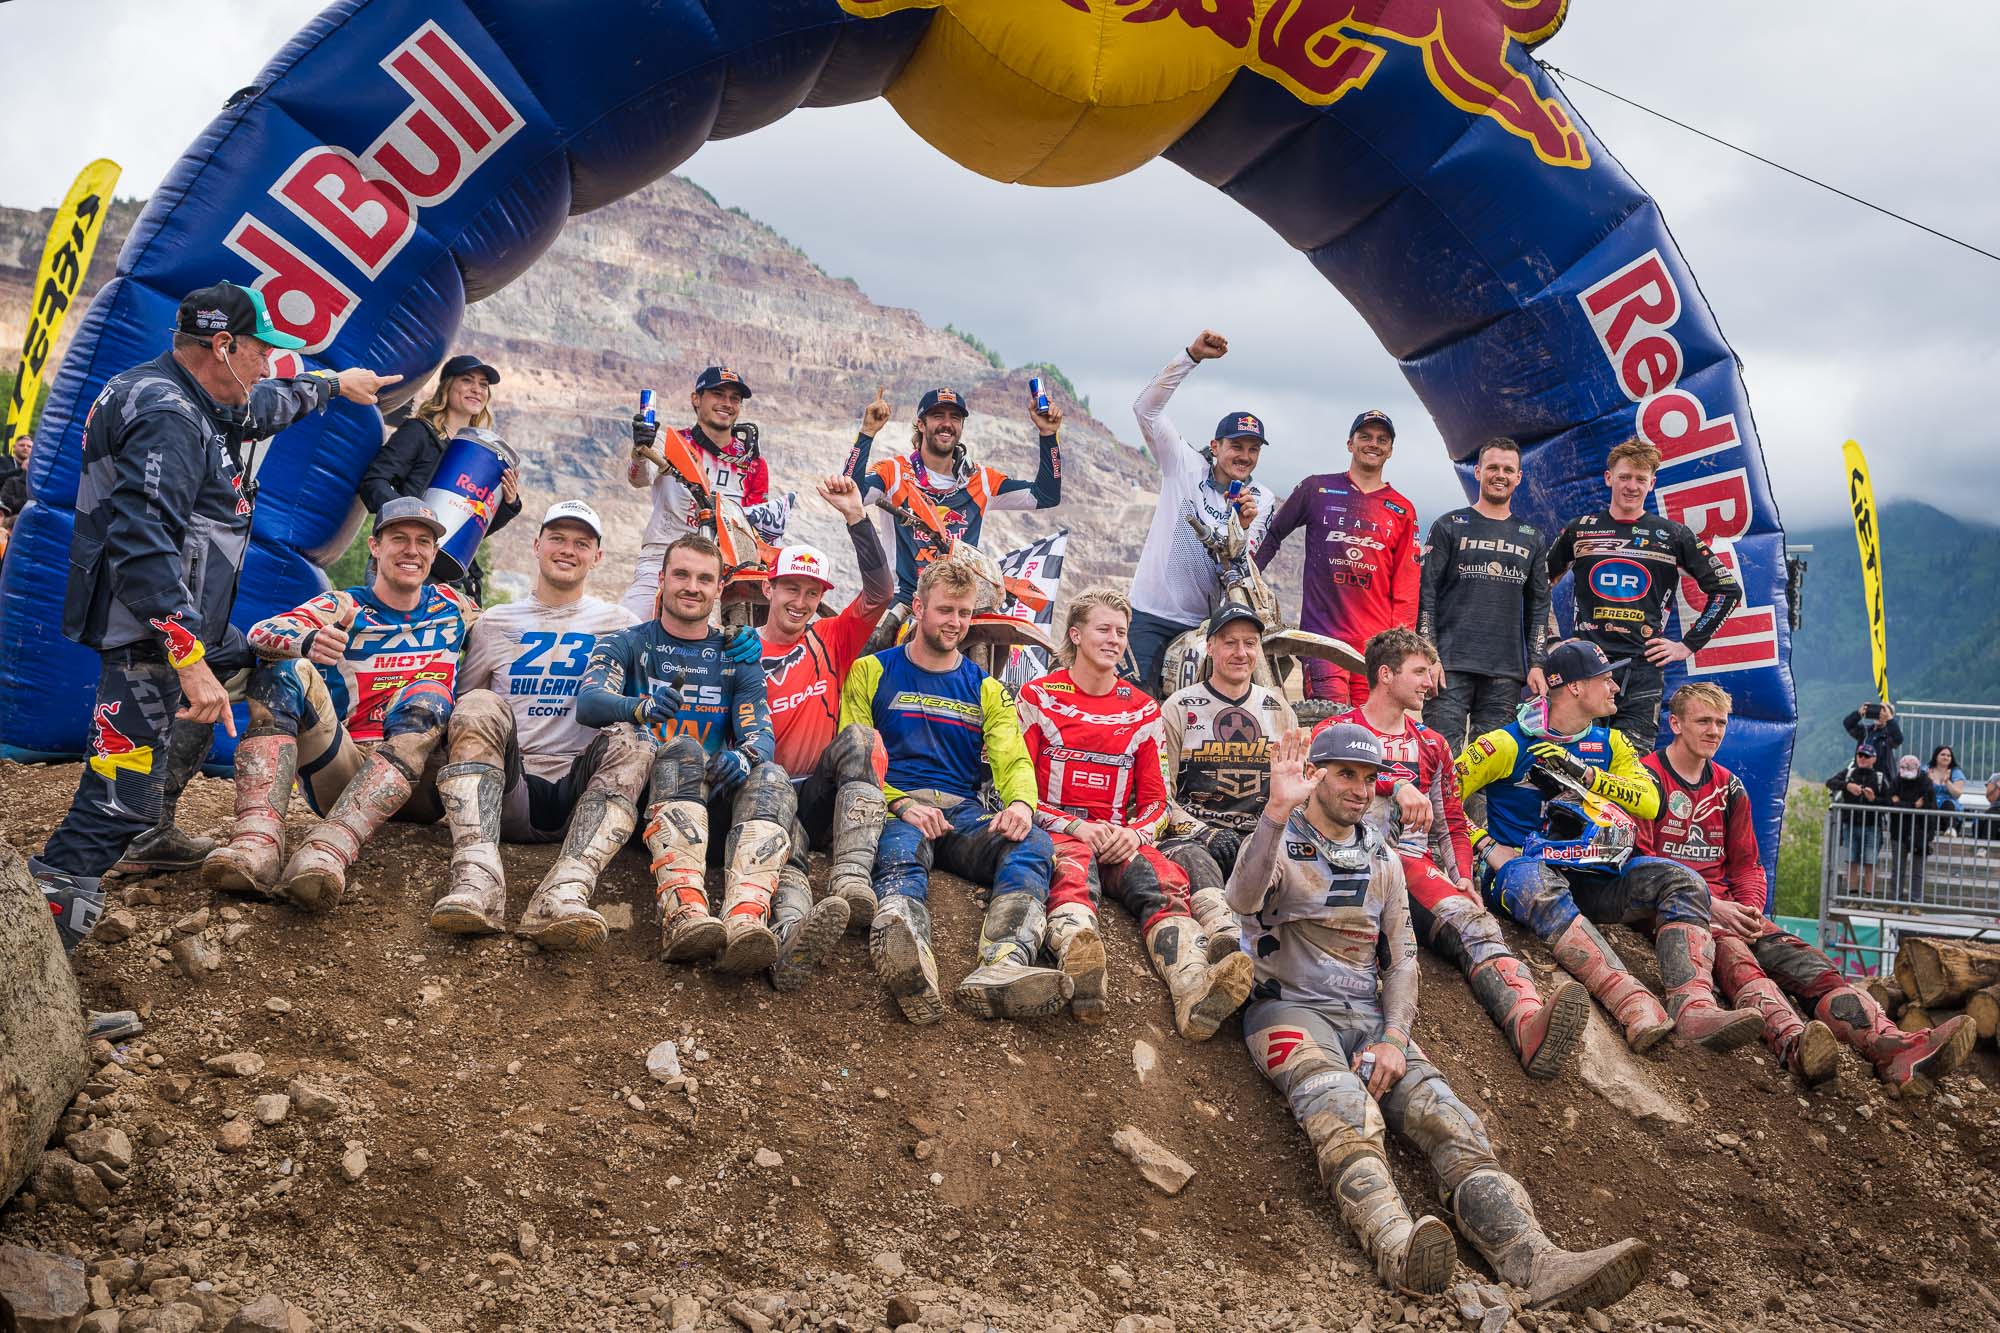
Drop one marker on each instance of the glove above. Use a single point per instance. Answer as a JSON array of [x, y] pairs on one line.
[[661, 705], [728, 769], [742, 645], [645, 434], [1558, 760], [1222, 844]]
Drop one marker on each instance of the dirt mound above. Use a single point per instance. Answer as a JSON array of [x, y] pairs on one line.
[[472, 1141]]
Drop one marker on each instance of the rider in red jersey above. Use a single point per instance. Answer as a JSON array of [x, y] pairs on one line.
[[1416, 808], [1095, 743], [1362, 554]]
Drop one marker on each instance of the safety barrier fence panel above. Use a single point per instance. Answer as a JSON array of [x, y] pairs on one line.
[[1971, 730], [1890, 872]]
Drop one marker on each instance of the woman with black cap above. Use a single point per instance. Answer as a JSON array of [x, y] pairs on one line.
[[409, 458]]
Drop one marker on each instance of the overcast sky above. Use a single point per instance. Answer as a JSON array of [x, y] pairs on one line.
[[1848, 324]]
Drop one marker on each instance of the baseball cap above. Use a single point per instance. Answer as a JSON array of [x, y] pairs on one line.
[[805, 562], [1346, 743], [1233, 613], [1574, 660], [714, 377], [942, 397], [408, 509], [228, 308], [1240, 425], [1373, 418], [1864, 748], [465, 364], [574, 511]]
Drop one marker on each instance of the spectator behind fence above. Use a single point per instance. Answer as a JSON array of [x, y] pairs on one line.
[[1910, 835], [1859, 792], [1875, 724], [409, 457], [1947, 777], [14, 477]]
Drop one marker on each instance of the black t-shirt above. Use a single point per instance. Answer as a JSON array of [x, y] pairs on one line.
[[1626, 574], [1485, 594]]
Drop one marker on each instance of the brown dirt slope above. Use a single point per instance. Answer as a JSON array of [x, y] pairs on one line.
[[965, 1169]]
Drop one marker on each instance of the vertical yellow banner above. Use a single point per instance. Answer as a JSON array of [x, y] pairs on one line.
[[1868, 535], [65, 259]]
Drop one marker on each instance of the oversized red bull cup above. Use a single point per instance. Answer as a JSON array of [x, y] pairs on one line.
[[1413, 151], [464, 494]]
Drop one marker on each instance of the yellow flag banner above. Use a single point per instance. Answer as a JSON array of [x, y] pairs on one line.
[[1868, 535], [65, 259]]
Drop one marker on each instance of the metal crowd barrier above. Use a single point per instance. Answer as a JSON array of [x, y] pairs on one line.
[[1924, 872], [1971, 730]]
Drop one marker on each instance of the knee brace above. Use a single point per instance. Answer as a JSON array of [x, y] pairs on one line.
[[1431, 1115], [1465, 933], [856, 755], [766, 794], [481, 729], [277, 695], [413, 725], [677, 769]]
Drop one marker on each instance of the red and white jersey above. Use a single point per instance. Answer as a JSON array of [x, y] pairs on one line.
[[742, 478], [1421, 757], [1707, 826], [1096, 756]]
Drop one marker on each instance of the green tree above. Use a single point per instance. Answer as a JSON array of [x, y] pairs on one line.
[[1800, 848]]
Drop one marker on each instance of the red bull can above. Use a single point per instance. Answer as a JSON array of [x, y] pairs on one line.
[[465, 494], [1038, 394], [647, 398]]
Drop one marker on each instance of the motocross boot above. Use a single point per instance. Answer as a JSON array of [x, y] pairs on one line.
[[899, 943], [677, 836], [858, 813], [1910, 1062], [1409, 1254], [1204, 993], [1494, 1213], [806, 931], [1585, 956], [165, 846], [1808, 1049], [75, 901], [1543, 1035], [1079, 954], [558, 916], [316, 876], [1006, 984], [1686, 951], [475, 898], [757, 850], [250, 861]]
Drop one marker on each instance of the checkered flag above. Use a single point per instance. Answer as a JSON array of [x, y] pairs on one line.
[[1040, 562]]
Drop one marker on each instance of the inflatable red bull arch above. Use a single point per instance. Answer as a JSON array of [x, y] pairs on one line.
[[399, 159]]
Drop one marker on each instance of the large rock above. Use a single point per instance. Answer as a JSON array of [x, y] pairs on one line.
[[1608, 1067], [42, 1061], [1162, 1169], [270, 1314], [40, 1293]]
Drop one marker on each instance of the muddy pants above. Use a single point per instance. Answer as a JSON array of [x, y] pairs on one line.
[[534, 808], [679, 773], [904, 856], [1306, 1049], [1455, 925], [1151, 887], [290, 697], [1546, 899], [1801, 971], [854, 754]]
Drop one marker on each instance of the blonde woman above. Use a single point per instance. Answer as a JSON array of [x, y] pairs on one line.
[[463, 397]]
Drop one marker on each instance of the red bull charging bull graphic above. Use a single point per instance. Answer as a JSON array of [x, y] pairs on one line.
[[398, 159]]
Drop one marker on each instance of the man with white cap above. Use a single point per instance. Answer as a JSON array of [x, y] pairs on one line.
[[836, 771], [517, 685], [351, 697]]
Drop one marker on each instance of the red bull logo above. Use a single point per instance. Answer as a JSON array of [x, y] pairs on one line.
[[1250, 424], [804, 562], [106, 739], [182, 645]]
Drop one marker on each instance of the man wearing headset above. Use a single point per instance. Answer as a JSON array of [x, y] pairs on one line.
[[162, 524]]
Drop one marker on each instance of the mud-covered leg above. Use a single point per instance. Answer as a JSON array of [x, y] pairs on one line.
[[1685, 945], [1305, 1055], [413, 726], [1007, 984], [1808, 1049], [267, 761], [478, 740], [558, 915], [1221, 936], [1073, 939], [677, 836], [806, 931], [899, 937], [1537, 896], [1155, 890]]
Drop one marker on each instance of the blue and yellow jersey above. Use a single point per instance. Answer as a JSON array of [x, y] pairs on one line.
[[943, 730], [1498, 764], [723, 704]]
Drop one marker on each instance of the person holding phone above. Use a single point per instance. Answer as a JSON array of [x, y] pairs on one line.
[[1874, 724], [1176, 584]]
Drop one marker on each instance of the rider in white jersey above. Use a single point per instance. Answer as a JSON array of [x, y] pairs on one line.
[[1175, 586]]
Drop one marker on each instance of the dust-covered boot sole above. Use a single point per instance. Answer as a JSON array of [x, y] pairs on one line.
[[1083, 963], [1739, 1028], [860, 909], [453, 915], [1927, 1071], [1818, 1056], [907, 970], [1229, 984], [1031, 992], [1568, 1012], [817, 937], [1427, 1265], [1221, 946], [748, 946], [1601, 1279], [223, 873], [580, 932], [315, 886], [694, 941]]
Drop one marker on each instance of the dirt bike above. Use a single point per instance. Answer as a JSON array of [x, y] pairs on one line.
[[1242, 583], [747, 559], [997, 626]]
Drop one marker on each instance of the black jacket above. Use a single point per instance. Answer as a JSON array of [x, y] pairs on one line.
[[1874, 780], [162, 522], [1886, 737], [1917, 793], [408, 460]]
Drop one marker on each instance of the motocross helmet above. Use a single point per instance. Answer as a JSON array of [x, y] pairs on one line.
[[1579, 827]]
